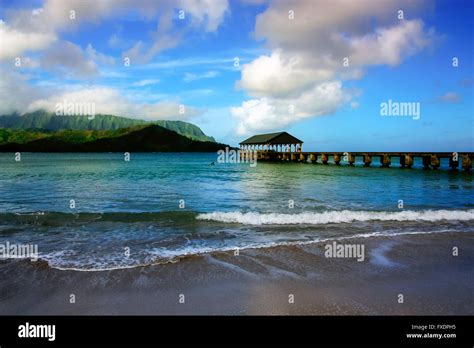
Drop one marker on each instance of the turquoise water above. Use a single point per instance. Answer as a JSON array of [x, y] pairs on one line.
[[139, 205]]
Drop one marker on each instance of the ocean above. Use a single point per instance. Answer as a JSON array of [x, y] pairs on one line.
[[93, 212]]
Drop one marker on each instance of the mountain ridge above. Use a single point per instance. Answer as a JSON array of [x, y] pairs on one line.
[[43, 120], [149, 138]]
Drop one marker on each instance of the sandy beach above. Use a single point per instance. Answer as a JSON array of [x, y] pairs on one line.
[[296, 280]]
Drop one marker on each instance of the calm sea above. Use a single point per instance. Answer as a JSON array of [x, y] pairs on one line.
[[96, 211]]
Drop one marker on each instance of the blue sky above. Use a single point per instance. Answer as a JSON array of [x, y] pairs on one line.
[[284, 63]]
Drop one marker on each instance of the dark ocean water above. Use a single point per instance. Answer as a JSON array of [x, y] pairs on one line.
[[161, 207]]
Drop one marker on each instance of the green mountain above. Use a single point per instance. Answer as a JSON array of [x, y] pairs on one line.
[[148, 138], [43, 120]]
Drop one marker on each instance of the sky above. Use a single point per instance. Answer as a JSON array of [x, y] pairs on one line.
[[319, 69]]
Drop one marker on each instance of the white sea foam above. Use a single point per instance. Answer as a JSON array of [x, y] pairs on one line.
[[176, 255], [333, 217]]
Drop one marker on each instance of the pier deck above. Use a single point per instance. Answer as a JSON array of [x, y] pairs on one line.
[[430, 160]]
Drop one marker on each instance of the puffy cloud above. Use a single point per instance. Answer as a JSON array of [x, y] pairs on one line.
[[318, 24], [15, 42], [390, 45], [27, 62], [36, 29], [110, 101], [204, 13], [68, 58], [60, 15], [276, 75], [324, 42], [208, 12], [275, 113], [15, 93], [19, 96]]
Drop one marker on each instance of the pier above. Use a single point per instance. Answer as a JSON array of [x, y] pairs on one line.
[[283, 147]]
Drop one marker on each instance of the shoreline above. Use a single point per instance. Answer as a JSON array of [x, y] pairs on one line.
[[261, 282]]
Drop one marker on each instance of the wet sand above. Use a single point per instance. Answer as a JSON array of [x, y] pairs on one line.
[[263, 281]]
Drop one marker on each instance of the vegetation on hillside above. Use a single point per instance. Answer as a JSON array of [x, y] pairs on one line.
[[142, 138], [47, 121]]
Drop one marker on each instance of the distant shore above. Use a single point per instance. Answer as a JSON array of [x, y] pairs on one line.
[[420, 267], [149, 138]]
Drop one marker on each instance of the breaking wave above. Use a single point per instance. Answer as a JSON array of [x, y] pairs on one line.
[[333, 217], [56, 260]]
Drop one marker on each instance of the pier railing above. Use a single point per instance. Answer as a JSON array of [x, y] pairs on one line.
[[430, 160]]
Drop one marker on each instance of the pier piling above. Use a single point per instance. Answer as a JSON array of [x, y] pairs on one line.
[[407, 160], [435, 163], [466, 162], [324, 158], [385, 160], [367, 160], [350, 159]]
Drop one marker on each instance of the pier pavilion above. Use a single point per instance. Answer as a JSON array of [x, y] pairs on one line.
[[278, 142]]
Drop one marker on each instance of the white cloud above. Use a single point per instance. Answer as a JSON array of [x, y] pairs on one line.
[[119, 40], [18, 96], [110, 101], [15, 93], [263, 114], [37, 28], [209, 13], [142, 52], [390, 45], [145, 82], [98, 57], [204, 13], [189, 77], [27, 62], [308, 54], [276, 75], [318, 24], [67, 58], [15, 42], [187, 62]]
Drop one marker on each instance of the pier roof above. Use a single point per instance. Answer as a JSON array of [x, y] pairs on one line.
[[272, 138]]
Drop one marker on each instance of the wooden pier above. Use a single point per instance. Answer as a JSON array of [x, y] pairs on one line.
[[430, 160], [283, 147]]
